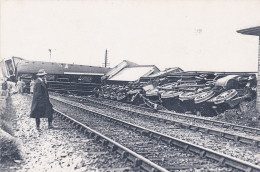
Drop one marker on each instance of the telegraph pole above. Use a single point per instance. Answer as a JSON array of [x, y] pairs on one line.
[[106, 58]]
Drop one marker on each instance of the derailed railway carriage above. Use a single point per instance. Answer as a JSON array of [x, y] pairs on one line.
[[61, 77], [203, 93]]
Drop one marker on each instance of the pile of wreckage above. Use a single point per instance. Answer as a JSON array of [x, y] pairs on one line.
[[203, 93]]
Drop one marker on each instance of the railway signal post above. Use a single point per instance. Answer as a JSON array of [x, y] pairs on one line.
[[50, 53]]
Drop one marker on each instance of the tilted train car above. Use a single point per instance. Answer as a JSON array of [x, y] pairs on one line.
[[204, 93], [61, 77]]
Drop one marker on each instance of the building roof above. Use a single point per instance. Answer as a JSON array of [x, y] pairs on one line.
[[130, 64], [250, 31], [166, 72], [133, 73], [119, 67]]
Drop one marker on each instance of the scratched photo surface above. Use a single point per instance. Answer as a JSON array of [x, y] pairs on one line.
[[179, 78]]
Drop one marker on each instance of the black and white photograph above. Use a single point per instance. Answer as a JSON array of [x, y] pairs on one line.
[[129, 86]]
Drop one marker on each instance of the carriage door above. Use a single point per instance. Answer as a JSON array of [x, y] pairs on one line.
[[10, 67]]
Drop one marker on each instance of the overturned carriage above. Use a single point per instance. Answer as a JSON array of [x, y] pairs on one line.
[[207, 95], [202, 93]]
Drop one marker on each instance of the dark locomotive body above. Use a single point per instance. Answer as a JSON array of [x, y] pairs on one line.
[[61, 77]]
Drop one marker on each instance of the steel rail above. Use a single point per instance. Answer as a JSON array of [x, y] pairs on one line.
[[203, 152], [227, 135], [216, 123], [196, 119], [135, 158]]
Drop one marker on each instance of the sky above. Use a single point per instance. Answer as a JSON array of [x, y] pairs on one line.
[[195, 35]]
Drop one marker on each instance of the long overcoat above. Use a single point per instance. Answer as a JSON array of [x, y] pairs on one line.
[[41, 105]]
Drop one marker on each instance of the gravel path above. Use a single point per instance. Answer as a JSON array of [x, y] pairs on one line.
[[59, 149]]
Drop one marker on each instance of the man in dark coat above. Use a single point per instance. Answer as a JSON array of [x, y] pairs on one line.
[[41, 106]]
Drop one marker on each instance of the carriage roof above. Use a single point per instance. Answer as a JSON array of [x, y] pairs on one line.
[[26, 66]]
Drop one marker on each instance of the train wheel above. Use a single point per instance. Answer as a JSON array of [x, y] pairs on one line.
[[204, 96], [227, 95]]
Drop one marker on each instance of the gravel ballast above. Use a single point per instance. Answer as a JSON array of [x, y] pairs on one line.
[[60, 149], [219, 144]]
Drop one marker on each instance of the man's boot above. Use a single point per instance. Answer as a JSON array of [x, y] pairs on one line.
[[38, 123]]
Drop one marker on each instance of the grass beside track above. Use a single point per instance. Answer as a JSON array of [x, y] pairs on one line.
[[9, 146], [249, 117]]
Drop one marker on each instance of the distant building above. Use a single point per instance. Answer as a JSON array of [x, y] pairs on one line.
[[255, 31], [128, 71]]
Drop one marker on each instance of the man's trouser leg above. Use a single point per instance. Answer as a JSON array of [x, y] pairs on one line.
[[37, 123]]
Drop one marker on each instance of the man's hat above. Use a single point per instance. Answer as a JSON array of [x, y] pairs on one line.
[[41, 72]]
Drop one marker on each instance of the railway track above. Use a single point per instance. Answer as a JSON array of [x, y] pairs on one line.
[[169, 140], [190, 118], [231, 134], [185, 116], [136, 159], [220, 143], [181, 116]]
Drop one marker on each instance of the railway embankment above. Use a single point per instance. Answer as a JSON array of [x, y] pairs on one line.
[[10, 146]]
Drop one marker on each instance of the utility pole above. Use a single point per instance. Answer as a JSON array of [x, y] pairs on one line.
[[106, 59]]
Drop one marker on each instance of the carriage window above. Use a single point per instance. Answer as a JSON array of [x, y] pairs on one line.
[[85, 79], [9, 66]]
